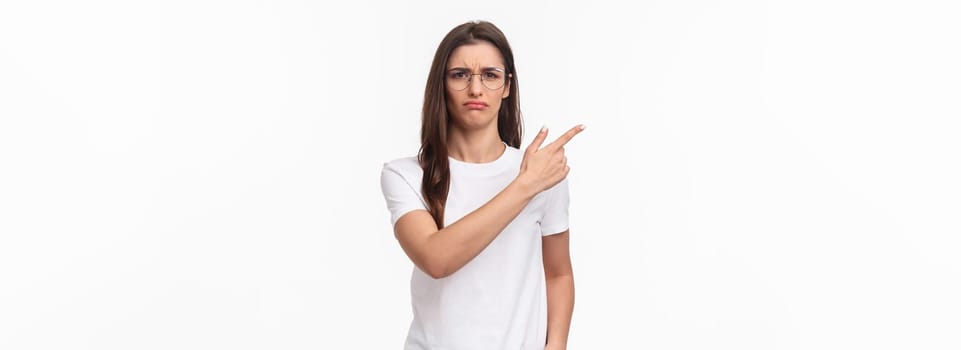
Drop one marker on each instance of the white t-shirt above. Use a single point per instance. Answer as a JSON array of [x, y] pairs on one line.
[[497, 300]]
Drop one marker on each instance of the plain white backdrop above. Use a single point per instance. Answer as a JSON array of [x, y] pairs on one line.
[[205, 174]]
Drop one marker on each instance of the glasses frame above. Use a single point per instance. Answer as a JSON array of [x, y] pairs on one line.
[[470, 78]]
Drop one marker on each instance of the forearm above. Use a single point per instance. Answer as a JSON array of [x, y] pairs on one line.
[[456, 244], [560, 307]]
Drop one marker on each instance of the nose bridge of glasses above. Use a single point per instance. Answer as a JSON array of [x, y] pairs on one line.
[[482, 82]]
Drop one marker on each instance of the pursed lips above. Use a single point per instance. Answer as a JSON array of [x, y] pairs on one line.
[[474, 104]]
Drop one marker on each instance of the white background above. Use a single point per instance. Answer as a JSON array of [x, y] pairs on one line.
[[205, 174]]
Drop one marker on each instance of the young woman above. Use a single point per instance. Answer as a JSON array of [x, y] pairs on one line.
[[484, 223]]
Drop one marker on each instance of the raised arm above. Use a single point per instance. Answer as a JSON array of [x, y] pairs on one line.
[[440, 253]]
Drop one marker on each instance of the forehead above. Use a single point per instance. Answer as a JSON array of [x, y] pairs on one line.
[[476, 55]]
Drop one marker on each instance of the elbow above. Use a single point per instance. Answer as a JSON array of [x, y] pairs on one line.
[[437, 267], [437, 275], [562, 274], [436, 271], [434, 266]]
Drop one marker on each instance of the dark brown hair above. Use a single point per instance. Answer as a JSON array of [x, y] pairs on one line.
[[433, 133]]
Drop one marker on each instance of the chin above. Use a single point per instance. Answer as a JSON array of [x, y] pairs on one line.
[[473, 120]]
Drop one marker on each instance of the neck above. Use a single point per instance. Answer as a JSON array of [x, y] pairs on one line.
[[475, 146]]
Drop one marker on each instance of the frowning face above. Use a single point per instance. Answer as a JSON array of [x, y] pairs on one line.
[[477, 83]]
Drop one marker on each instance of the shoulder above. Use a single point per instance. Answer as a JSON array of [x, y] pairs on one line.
[[407, 167], [514, 152], [513, 155]]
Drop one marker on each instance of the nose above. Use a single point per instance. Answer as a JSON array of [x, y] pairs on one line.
[[475, 86]]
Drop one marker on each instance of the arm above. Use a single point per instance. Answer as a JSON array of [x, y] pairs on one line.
[[440, 253], [560, 289]]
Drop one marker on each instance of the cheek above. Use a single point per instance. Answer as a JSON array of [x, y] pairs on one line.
[[498, 102]]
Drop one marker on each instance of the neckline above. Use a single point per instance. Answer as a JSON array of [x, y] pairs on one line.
[[492, 165]]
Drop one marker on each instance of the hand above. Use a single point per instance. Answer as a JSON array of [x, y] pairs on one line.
[[542, 168]]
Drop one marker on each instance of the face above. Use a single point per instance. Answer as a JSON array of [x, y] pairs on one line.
[[476, 105]]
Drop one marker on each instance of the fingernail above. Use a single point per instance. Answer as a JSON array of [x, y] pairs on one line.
[[582, 126], [544, 128]]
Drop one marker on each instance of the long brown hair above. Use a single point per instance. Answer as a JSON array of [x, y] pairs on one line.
[[433, 132]]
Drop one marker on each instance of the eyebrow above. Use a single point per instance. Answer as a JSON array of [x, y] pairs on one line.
[[482, 69]]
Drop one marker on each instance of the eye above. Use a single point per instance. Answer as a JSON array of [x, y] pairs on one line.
[[457, 74], [493, 75]]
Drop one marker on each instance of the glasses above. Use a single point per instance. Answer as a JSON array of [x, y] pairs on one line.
[[460, 78]]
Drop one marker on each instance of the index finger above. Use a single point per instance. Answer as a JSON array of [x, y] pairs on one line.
[[567, 136]]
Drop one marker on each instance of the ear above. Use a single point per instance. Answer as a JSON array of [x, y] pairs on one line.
[[507, 87]]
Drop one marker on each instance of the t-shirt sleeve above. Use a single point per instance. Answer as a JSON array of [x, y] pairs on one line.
[[399, 193], [555, 218]]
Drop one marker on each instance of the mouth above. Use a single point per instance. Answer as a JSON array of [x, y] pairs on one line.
[[474, 104]]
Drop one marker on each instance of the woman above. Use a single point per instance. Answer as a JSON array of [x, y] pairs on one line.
[[484, 223]]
